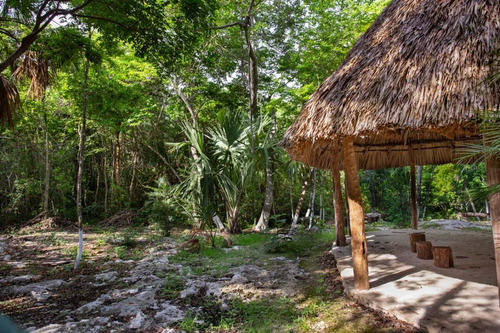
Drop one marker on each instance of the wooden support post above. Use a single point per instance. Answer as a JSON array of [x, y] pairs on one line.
[[413, 197], [493, 178], [338, 205], [357, 216]]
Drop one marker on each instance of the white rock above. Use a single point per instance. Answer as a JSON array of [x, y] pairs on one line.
[[52, 328], [169, 314], [7, 257], [107, 276], [137, 321], [40, 296]]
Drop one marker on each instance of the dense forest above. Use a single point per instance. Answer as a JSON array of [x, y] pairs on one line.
[[174, 110]]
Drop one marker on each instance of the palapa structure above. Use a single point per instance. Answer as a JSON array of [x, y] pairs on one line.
[[408, 93]]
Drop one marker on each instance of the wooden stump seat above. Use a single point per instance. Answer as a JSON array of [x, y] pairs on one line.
[[442, 256], [424, 250], [416, 237]]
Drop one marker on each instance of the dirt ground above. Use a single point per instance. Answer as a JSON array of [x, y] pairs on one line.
[[138, 282]]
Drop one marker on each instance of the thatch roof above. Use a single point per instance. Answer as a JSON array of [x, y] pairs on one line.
[[409, 89]]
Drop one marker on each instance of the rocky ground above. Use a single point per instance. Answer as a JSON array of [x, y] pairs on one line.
[[143, 283]]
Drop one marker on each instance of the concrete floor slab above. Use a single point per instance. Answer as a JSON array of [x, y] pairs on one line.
[[459, 299]]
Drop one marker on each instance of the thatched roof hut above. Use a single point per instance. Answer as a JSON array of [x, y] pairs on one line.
[[409, 90]]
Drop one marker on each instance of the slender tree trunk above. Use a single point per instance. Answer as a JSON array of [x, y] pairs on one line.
[[357, 215], [268, 199], [117, 159], [321, 211], [47, 170], [132, 178], [299, 204], [493, 178], [105, 174], [313, 197], [97, 182], [373, 191], [419, 189], [413, 198], [338, 205], [291, 199], [81, 154], [117, 171], [252, 76]]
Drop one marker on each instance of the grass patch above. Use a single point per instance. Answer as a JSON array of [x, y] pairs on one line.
[[173, 286]]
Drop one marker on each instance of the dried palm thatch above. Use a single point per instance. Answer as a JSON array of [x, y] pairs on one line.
[[37, 70], [9, 100], [409, 90]]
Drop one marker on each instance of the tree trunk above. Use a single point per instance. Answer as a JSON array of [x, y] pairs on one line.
[[493, 178], [413, 198], [81, 154], [234, 220], [105, 174], [357, 216], [268, 199], [373, 191], [321, 211], [313, 197], [132, 178], [299, 204], [47, 170], [419, 189], [252, 76], [338, 205], [218, 223], [117, 159]]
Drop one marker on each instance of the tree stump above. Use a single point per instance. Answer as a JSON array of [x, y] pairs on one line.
[[416, 237], [442, 256], [424, 250]]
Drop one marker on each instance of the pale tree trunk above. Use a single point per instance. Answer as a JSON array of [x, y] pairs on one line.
[[132, 178], [338, 205], [268, 200], [413, 198], [218, 223], [357, 216], [81, 154], [299, 204], [493, 178], [313, 197], [47, 170], [419, 189], [117, 171]]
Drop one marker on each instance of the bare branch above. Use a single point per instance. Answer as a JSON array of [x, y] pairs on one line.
[[238, 23]]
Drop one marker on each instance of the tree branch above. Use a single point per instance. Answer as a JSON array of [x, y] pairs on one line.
[[227, 26]]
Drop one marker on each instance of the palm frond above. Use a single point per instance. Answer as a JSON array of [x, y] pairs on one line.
[[35, 68], [9, 100]]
